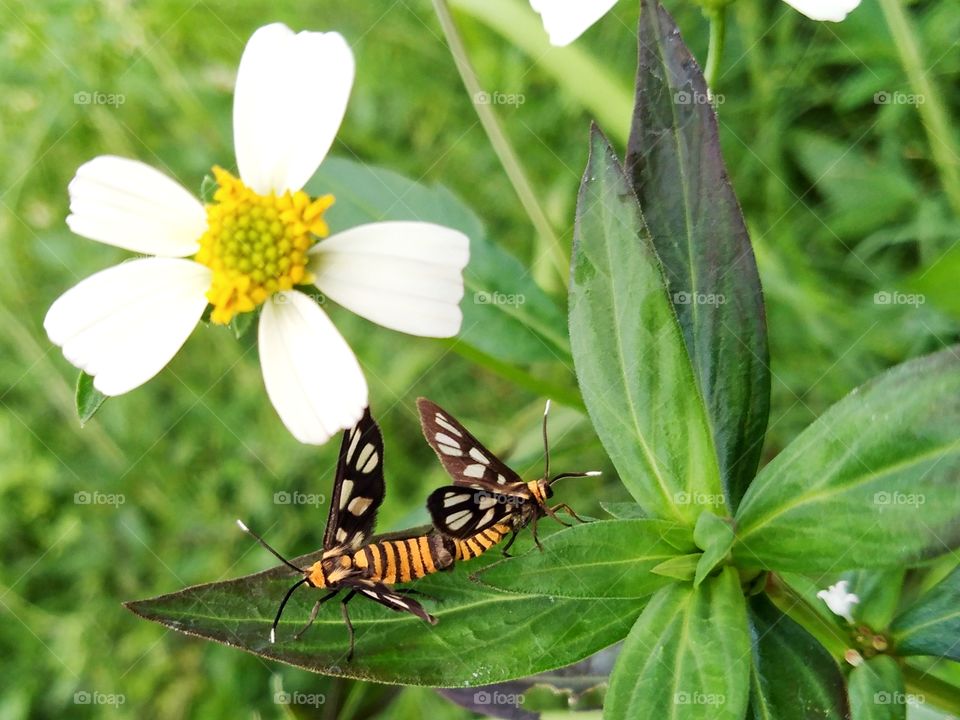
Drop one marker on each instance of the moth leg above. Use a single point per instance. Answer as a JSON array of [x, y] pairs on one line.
[[313, 613], [570, 512], [346, 619], [533, 531], [506, 547]]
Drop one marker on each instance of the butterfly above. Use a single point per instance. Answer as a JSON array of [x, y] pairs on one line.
[[351, 561], [487, 497]]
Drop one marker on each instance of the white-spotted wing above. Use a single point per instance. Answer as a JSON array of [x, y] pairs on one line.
[[463, 512], [358, 489]]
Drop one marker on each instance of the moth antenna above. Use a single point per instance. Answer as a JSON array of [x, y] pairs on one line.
[[546, 443], [263, 542], [276, 620]]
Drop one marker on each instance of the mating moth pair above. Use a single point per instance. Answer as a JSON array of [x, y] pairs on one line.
[[487, 502]]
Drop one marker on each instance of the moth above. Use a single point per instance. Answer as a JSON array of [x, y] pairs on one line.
[[488, 499], [351, 561]]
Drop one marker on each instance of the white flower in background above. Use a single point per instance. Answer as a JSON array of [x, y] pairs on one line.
[[251, 246], [840, 600], [566, 20], [832, 10]]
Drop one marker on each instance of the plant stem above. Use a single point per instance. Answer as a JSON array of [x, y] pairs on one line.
[[930, 106], [718, 33], [549, 240], [933, 690]]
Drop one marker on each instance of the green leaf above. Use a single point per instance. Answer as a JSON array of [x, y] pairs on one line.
[[877, 690], [678, 174], [624, 510], [477, 640], [714, 536], [793, 677], [688, 655], [88, 398], [879, 592], [632, 364], [602, 559], [870, 484], [579, 74], [241, 324], [505, 313], [932, 625], [681, 567]]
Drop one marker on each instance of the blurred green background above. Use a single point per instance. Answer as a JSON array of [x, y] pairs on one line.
[[841, 191]]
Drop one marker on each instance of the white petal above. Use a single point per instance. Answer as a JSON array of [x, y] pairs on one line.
[[131, 205], [566, 20], [406, 276], [312, 376], [124, 324], [291, 94], [833, 10]]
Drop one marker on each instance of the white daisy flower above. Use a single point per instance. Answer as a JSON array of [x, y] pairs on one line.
[[566, 20], [252, 246], [840, 600]]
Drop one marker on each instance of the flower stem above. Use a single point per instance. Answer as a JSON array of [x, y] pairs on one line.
[[549, 241], [718, 33], [930, 106]]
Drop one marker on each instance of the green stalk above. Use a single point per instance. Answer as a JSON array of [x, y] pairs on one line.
[[718, 33], [934, 690], [549, 241], [933, 115]]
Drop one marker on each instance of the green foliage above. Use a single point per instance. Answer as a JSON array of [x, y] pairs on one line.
[[877, 691], [932, 625], [88, 398]]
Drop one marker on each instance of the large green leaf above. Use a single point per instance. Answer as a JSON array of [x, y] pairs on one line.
[[793, 677], [505, 313], [678, 173], [932, 625], [483, 636], [605, 559], [688, 656], [877, 690], [872, 483], [632, 364]]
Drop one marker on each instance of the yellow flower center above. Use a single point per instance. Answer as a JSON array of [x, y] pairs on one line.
[[256, 245]]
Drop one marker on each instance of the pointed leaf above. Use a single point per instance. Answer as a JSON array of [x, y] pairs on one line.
[[476, 641], [603, 559], [877, 690], [88, 398], [631, 361], [714, 536], [687, 656], [678, 173], [624, 510], [870, 484], [793, 677], [932, 625]]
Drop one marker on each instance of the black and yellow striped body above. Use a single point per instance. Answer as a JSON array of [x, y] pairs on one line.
[[401, 560], [481, 542]]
